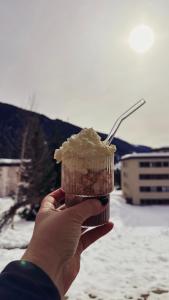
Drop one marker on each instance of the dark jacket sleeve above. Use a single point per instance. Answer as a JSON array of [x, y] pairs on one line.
[[22, 280]]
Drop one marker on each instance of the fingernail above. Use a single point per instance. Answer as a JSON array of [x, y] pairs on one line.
[[103, 199]]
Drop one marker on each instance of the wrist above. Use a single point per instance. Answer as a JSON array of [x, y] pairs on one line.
[[49, 267]]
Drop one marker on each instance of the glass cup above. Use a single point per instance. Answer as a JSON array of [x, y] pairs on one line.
[[86, 180]]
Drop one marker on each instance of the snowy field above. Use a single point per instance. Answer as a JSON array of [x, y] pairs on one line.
[[131, 262]]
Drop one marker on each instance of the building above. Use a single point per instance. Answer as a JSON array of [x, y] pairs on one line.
[[145, 178], [9, 176]]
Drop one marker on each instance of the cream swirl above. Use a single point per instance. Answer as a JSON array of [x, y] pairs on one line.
[[84, 145]]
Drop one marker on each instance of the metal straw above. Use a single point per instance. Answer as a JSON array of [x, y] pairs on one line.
[[122, 117]]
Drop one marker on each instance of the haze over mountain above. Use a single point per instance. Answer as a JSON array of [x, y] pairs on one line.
[[12, 122]]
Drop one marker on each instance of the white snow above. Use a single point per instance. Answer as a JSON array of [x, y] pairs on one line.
[[131, 261], [146, 154], [9, 161], [117, 166], [5, 203]]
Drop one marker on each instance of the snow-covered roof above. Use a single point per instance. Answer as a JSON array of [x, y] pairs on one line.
[[9, 161], [146, 155]]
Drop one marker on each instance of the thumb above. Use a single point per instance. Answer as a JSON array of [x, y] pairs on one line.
[[88, 208]]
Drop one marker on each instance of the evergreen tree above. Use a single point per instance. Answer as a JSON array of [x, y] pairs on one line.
[[37, 174], [117, 178]]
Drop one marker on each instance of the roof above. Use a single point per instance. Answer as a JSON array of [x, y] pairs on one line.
[[9, 161], [145, 155]]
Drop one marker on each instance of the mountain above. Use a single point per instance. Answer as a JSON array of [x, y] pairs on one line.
[[13, 120]]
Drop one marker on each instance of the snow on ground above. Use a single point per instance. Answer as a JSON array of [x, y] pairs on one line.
[[5, 203], [20, 236], [131, 262]]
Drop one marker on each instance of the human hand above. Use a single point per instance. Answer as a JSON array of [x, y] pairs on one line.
[[59, 239]]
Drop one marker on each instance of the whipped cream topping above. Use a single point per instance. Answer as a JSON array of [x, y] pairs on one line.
[[84, 145]]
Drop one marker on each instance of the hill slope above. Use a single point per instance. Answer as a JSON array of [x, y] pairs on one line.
[[12, 121]]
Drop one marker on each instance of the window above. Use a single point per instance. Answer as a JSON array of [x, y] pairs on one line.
[[144, 188], [152, 189], [165, 188], [157, 164], [151, 201], [153, 176], [144, 164], [129, 200], [154, 164], [158, 189]]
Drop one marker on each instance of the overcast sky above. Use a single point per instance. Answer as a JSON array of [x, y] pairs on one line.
[[74, 55]]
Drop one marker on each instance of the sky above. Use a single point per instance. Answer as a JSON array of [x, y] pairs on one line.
[[74, 58]]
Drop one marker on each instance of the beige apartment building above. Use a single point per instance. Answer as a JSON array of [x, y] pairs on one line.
[[8, 176], [145, 178]]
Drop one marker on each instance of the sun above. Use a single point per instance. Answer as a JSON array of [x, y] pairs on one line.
[[141, 38]]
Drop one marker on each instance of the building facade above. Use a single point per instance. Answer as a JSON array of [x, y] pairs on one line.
[[9, 176], [145, 178]]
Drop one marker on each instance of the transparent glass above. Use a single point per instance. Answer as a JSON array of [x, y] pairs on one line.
[[82, 181]]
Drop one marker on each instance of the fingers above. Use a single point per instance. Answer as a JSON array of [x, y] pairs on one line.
[[93, 235], [53, 200], [58, 194], [82, 211]]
